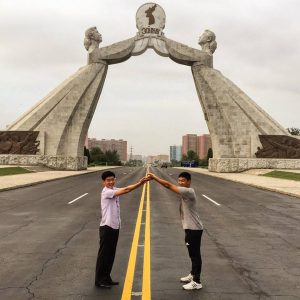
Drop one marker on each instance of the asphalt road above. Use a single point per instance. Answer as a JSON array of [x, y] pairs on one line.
[[48, 248]]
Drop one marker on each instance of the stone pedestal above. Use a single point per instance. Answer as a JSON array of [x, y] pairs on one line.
[[69, 163], [230, 165]]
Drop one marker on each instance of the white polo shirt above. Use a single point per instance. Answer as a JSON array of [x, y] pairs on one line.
[[110, 208]]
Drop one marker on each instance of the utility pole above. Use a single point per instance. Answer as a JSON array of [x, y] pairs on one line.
[[130, 157]]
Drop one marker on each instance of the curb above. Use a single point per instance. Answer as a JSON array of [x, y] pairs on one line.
[[249, 184]]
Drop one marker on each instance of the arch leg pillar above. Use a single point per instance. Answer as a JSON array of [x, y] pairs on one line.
[[63, 117], [235, 122]]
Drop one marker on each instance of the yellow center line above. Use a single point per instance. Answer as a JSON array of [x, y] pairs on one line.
[[127, 289], [146, 291]]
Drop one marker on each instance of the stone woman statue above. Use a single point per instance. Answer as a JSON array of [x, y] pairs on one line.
[[208, 42], [92, 39]]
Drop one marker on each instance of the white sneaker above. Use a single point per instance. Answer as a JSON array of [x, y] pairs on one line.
[[187, 279], [192, 286]]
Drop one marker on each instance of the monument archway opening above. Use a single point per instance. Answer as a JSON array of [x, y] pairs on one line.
[[156, 103], [243, 135]]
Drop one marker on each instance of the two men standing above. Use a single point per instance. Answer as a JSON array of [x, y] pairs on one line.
[[110, 224]]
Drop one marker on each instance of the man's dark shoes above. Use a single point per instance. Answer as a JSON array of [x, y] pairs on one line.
[[106, 284], [114, 282], [103, 285]]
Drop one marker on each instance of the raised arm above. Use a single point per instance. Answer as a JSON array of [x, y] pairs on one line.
[[131, 187], [165, 183]]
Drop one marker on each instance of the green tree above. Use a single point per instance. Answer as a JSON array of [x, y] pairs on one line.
[[294, 131], [192, 155], [184, 157], [96, 155], [209, 155], [204, 162], [134, 163], [112, 157], [175, 163], [86, 153]]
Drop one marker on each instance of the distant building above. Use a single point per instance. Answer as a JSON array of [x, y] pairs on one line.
[[189, 142], [105, 145], [163, 157], [204, 143], [157, 158], [199, 144], [175, 152], [137, 157], [150, 159]]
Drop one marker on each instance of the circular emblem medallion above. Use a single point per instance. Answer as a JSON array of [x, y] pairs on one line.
[[150, 19]]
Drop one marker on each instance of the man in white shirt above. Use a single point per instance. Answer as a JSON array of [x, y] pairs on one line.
[[191, 224], [109, 227]]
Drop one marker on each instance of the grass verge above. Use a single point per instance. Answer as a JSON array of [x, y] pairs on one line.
[[283, 175], [13, 171]]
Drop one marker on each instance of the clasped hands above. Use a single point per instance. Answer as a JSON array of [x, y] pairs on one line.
[[148, 177]]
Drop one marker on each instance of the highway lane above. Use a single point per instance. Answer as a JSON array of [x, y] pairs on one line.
[[48, 247], [251, 242]]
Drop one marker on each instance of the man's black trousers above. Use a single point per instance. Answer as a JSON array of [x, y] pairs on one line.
[[106, 254], [193, 243]]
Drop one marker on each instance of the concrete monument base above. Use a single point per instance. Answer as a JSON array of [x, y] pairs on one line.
[[230, 165], [73, 163]]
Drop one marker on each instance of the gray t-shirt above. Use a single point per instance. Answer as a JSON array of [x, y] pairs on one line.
[[188, 214]]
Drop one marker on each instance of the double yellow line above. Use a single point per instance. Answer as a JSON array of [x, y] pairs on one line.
[[146, 288]]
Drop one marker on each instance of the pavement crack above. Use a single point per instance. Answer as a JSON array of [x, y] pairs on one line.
[[54, 256], [241, 270]]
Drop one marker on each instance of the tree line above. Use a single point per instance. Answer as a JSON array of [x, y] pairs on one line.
[[97, 157]]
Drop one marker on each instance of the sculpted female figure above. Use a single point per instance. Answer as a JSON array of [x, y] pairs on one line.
[[208, 41], [92, 39]]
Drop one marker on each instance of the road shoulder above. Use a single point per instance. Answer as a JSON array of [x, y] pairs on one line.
[[10, 182]]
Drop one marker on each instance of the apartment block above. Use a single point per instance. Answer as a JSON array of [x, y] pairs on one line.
[[204, 143], [119, 145], [199, 144], [189, 142], [175, 152]]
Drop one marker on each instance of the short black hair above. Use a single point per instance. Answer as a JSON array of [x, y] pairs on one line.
[[185, 175], [107, 174]]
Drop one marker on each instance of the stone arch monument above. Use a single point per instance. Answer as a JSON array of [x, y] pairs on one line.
[[243, 135]]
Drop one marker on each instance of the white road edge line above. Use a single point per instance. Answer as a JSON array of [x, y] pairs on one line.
[[216, 203], [78, 198]]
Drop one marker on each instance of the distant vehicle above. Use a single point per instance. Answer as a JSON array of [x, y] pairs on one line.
[[164, 165], [189, 164]]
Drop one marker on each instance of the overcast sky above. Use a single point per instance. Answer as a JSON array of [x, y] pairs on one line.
[[151, 101]]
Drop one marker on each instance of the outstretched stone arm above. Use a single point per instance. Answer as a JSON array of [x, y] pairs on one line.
[[113, 54], [185, 55]]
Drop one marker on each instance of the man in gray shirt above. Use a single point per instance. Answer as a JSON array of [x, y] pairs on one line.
[[191, 224]]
